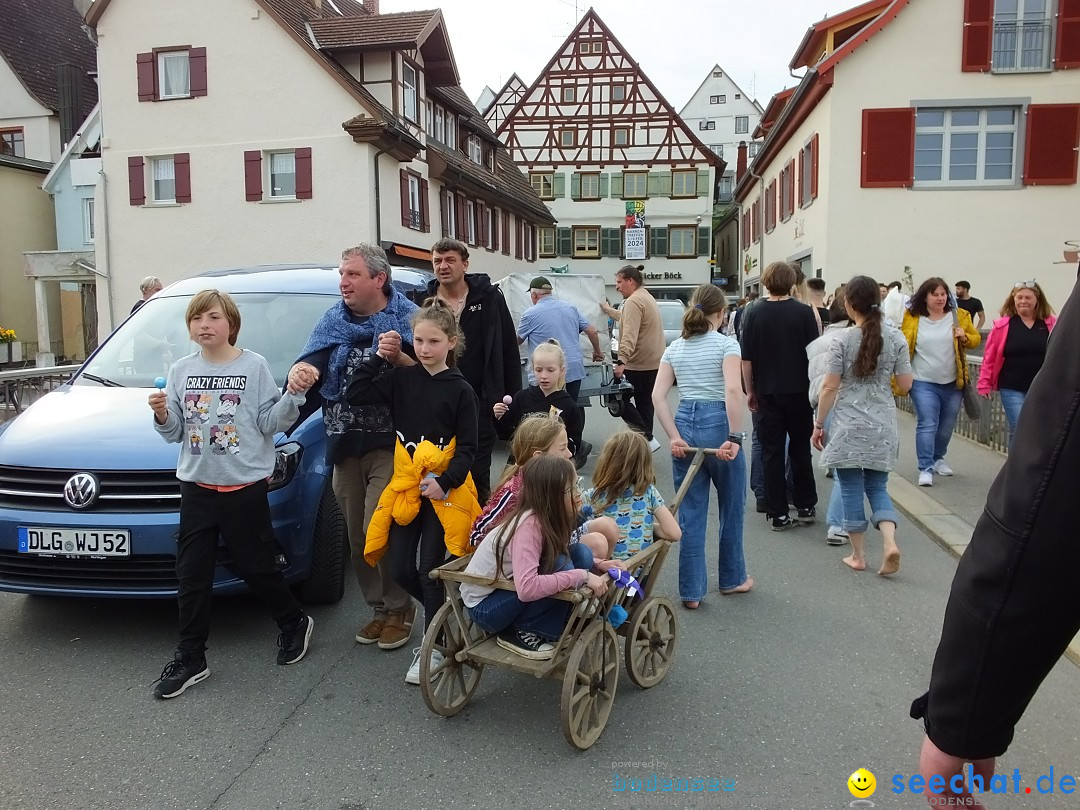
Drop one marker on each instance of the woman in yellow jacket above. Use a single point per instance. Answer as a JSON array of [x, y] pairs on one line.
[[935, 341]]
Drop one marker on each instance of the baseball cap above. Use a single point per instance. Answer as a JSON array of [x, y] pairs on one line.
[[540, 283]]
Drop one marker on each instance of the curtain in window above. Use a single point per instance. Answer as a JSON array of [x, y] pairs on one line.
[[164, 180], [283, 174], [176, 76]]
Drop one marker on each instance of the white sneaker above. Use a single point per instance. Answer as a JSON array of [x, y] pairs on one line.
[[413, 675], [941, 468], [654, 445], [836, 536], [926, 478]]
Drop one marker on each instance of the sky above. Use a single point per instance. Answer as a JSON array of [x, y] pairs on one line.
[[676, 42]]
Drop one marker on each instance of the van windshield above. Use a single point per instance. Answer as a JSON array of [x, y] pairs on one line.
[[276, 325]]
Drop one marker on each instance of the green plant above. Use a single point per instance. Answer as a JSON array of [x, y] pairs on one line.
[[7, 335]]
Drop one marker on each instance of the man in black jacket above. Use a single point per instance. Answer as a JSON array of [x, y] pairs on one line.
[[491, 362]]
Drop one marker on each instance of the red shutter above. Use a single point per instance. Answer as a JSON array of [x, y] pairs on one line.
[[1053, 131], [518, 247], [888, 148], [197, 72], [481, 224], [144, 71], [790, 189], [813, 166], [444, 208], [978, 35], [755, 222], [136, 181], [1067, 53], [425, 206], [506, 232], [802, 161], [182, 173], [406, 208], [745, 228], [462, 228], [303, 173], [253, 175]]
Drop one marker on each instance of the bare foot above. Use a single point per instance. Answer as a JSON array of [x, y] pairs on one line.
[[693, 604], [741, 588], [891, 564], [854, 564]]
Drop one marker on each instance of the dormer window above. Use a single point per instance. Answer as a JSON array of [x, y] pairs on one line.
[[474, 150], [410, 92], [451, 130], [439, 132]]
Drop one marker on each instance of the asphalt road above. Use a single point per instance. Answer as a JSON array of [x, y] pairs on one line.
[[779, 694]]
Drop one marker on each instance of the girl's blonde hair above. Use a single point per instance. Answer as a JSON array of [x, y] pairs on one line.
[[708, 299], [545, 481], [625, 463], [535, 433], [438, 313], [552, 348]]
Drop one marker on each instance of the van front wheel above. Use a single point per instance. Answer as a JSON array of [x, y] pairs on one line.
[[329, 554]]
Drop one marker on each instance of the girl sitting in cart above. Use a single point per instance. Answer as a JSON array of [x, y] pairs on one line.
[[624, 489], [532, 549], [539, 434], [546, 395]]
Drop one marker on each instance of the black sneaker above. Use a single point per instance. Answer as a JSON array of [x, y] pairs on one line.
[[806, 516], [761, 507], [525, 644], [294, 640], [782, 523], [186, 669]]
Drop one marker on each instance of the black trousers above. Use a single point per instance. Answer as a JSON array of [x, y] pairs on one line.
[[242, 519], [1014, 604], [425, 534], [485, 443], [639, 415], [786, 418]]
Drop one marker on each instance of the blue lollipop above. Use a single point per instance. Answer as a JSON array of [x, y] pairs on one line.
[[160, 383]]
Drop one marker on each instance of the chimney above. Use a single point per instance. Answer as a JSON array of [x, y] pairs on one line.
[[740, 163], [372, 6]]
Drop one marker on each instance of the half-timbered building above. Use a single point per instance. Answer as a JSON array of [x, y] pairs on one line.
[[600, 143]]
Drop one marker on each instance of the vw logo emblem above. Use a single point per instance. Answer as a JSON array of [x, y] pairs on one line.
[[81, 491]]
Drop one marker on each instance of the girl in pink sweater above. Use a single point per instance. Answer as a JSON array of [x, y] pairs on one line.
[[532, 549]]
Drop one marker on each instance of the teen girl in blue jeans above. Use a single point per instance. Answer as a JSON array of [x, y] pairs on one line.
[[707, 364]]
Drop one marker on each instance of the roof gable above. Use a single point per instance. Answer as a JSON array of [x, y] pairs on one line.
[[825, 37], [711, 78]]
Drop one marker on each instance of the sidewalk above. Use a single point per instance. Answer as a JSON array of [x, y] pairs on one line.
[[948, 511]]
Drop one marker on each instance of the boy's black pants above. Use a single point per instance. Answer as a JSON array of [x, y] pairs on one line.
[[785, 417], [242, 519]]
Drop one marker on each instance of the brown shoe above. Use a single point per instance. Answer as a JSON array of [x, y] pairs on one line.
[[398, 629], [371, 632]]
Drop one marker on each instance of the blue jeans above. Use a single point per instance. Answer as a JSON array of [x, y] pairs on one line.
[[835, 514], [936, 408], [854, 483], [705, 424], [546, 617], [1012, 401]]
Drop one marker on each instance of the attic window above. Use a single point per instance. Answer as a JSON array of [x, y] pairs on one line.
[[410, 102], [718, 74], [12, 142], [475, 150]]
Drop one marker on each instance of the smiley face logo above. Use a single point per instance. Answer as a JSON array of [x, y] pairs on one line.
[[862, 784]]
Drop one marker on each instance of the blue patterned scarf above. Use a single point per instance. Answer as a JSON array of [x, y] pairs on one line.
[[336, 331]]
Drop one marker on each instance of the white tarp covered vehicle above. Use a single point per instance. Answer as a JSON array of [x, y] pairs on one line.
[[585, 292]]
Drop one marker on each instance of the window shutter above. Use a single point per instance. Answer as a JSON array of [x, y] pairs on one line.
[[253, 175], [609, 242], [704, 238], [481, 224], [197, 71], [814, 165], [424, 206], [1053, 131], [575, 186], [790, 203], [802, 163], [445, 214], [770, 205], [136, 181], [616, 185], [658, 241], [888, 148], [978, 35], [622, 242], [462, 230], [745, 228], [406, 210], [518, 233], [493, 234], [182, 175], [144, 72], [1067, 52], [565, 245], [558, 185], [665, 184], [532, 243], [604, 182], [652, 185], [506, 233], [303, 173], [703, 189]]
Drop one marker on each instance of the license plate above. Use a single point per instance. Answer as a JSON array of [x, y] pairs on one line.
[[74, 542]]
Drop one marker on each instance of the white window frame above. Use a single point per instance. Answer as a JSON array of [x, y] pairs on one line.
[[807, 176], [451, 129], [598, 46], [470, 222], [742, 124], [537, 181], [569, 94], [275, 193], [440, 124], [410, 92], [622, 92], [753, 149], [161, 161], [593, 178], [427, 116], [705, 125], [450, 201], [567, 142], [682, 229], [635, 176], [162, 72], [416, 209], [1027, 36], [581, 248], [475, 150], [718, 149], [624, 140], [684, 174], [946, 132], [88, 220]]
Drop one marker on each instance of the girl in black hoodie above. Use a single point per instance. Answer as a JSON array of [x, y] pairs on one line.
[[428, 401], [548, 395]]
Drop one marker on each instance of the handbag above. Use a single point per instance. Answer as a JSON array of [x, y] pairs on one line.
[[972, 400]]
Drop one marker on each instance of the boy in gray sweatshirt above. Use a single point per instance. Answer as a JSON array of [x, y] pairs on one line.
[[222, 405]]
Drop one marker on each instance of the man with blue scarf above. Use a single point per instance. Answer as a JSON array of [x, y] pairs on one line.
[[360, 438]]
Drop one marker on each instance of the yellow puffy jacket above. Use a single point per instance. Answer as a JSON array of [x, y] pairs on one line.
[[400, 501], [910, 328]]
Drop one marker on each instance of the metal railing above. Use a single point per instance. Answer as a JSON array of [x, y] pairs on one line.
[[21, 388], [990, 428], [1021, 45]]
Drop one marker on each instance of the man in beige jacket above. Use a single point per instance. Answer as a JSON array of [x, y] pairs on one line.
[[641, 345]]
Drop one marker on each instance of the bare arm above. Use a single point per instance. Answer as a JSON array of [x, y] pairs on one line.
[[594, 339], [666, 526], [665, 378]]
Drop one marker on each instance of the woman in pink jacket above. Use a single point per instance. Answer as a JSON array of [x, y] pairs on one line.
[[1016, 348]]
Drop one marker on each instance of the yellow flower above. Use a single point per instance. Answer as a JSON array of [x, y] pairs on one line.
[[7, 335]]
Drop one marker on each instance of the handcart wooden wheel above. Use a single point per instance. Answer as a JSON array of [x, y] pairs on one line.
[[589, 683], [448, 686], [651, 638]]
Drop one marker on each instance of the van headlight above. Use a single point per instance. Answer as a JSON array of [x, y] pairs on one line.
[[286, 463]]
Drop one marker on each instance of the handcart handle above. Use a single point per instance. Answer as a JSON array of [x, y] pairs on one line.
[[695, 465]]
